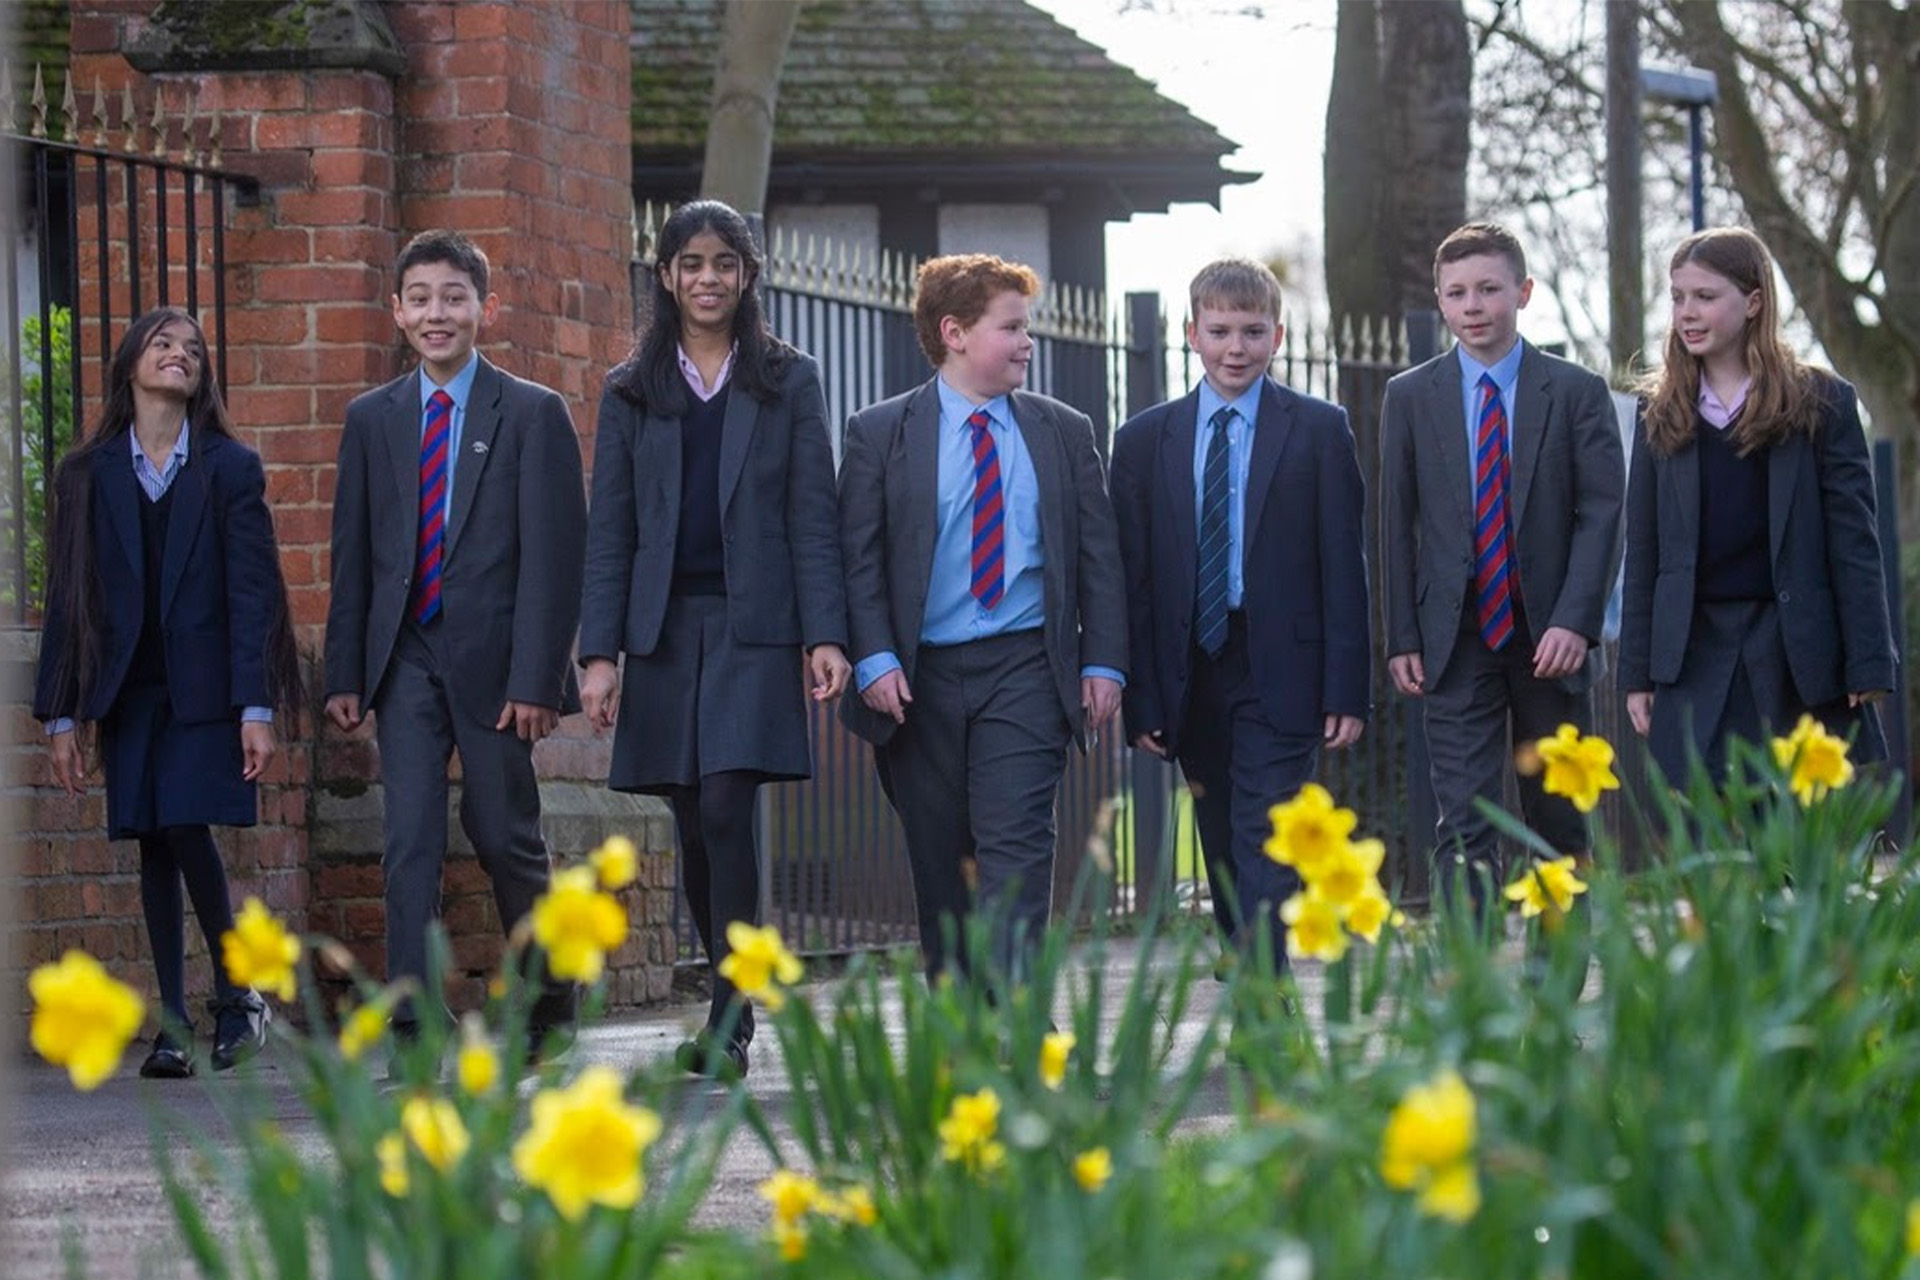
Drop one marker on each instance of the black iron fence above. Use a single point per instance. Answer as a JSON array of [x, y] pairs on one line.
[[102, 220]]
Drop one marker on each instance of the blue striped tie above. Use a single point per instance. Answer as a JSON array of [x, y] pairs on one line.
[[1216, 542]]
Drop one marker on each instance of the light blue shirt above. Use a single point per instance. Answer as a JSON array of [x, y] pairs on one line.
[[1506, 376], [953, 615], [460, 387], [1246, 413], [155, 485]]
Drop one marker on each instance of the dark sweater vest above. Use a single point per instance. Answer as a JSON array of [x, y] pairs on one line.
[[149, 666], [699, 558], [1734, 560]]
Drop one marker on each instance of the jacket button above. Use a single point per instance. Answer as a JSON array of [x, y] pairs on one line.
[[1785, 597]]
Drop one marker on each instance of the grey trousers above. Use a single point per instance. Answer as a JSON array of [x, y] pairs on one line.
[[973, 773]]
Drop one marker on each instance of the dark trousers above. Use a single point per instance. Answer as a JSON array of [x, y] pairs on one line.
[[168, 859], [972, 774], [1238, 765], [720, 873], [420, 720], [1484, 706]]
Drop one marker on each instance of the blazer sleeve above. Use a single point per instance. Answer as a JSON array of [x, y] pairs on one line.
[[1142, 704], [1346, 681], [553, 546], [56, 688], [863, 530], [1103, 601], [1399, 518], [1854, 566], [1599, 482], [812, 517], [1643, 563], [611, 540], [351, 593], [255, 590]]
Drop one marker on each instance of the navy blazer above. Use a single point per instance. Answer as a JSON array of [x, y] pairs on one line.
[[1304, 563], [219, 584], [1825, 548]]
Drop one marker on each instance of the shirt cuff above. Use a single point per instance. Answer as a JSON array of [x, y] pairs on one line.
[[256, 715], [867, 670], [64, 724], [1104, 673]]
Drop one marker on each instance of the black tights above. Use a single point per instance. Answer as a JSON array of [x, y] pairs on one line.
[[168, 858], [719, 870]]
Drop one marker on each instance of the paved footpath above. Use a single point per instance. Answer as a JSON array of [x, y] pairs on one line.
[[79, 1165]]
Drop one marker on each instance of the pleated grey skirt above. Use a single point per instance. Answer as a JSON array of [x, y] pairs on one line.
[[703, 703]]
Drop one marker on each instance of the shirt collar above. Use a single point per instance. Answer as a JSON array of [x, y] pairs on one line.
[[1505, 370], [460, 386], [691, 371], [956, 408], [179, 454], [1716, 413], [1246, 404]]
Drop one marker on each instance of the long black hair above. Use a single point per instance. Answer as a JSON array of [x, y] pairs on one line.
[[72, 584], [651, 376]]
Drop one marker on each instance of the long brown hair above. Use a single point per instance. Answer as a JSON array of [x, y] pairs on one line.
[[1781, 398], [72, 584]]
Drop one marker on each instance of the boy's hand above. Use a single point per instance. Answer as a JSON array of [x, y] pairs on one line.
[[1101, 697], [1343, 731], [344, 710], [256, 748], [829, 670], [1409, 673], [1559, 653], [600, 692], [1154, 743], [528, 722], [69, 771], [1640, 711], [889, 695]]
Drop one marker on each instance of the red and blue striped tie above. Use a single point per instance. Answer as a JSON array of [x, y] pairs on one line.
[[1492, 521], [989, 511], [433, 507]]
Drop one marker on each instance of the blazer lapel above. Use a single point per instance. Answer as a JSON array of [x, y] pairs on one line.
[[1530, 418], [476, 446], [1042, 438], [1783, 473], [1682, 475], [1269, 440], [402, 435], [920, 436], [1446, 411], [121, 493], [183, 525], [736, 433], [656, 461], [1177, 434]]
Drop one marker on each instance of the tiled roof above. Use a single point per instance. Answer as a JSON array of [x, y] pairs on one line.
[[895, 76]]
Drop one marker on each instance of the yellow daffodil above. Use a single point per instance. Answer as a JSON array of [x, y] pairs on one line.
[[1313, 927], [1547, 887], [854, 1204], [83, 1017], [578, 924], [759, 964], [1368, 912], [1428, 1147], [1308, 830], [478, 1066], [616, 862], [967, 1134], [1913, 1228], [1577, 768], [1091, 1169], [391, 1153], [258, 951], [1054, 1052], [792, 1195], [1347, 874], [585, 1144], [1815, 761], [435, 1129], [362, 1029], [792, 1241]]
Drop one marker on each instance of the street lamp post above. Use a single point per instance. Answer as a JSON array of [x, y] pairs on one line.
[[1696, 90]]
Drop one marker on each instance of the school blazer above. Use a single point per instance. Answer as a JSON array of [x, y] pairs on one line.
[[1303, 558], [1568, 486], [889, 482], [1825, 545], [219, 585], [511, 563], [778, 524]]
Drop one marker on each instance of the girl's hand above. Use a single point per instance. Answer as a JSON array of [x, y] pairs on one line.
[[829, 669], [257, 748], [1640, 711], [69, 770], [1865, 696], [600, 693]]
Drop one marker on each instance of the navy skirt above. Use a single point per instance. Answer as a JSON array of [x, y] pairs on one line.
[[162, 773]]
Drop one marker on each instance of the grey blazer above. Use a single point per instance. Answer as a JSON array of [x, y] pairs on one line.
[[1569, 478], [1827, 574], [889, 475], [516, 537], [777, 519]]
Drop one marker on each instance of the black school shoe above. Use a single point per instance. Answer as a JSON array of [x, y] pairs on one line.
[[167, 1061], [708, 1055], [239, 1028]]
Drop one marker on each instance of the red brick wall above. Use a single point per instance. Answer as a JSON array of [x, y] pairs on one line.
[[510, 123]]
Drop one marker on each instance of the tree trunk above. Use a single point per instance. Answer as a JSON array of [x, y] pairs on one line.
[[1352, 169], [746, 92], [1626, 254]]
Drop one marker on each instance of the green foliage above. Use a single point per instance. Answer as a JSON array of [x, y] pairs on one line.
[[37, 461]]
